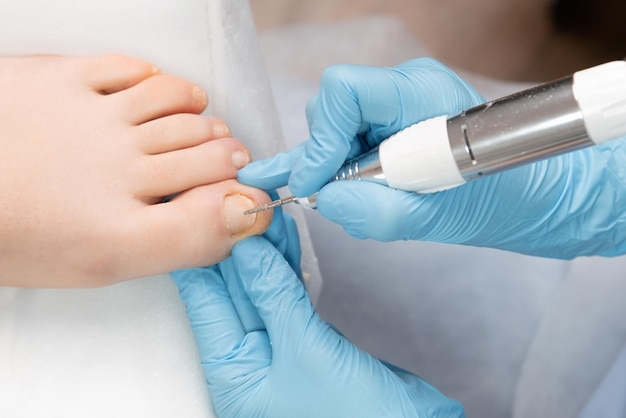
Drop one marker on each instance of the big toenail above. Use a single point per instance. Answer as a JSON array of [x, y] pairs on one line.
[[240, 159], [236, 222]]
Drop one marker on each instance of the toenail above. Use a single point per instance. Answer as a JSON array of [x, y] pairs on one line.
[[240, 159], [221, 130], [199, 96], [234, 206]]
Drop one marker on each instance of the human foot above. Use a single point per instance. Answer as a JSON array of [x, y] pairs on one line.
[[90, 146]]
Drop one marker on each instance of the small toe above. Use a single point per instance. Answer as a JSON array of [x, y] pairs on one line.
[[179, 131], [173, 172]]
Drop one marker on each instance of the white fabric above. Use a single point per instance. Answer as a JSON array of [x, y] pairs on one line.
[[127, 350], [508, 335], [121, 351]]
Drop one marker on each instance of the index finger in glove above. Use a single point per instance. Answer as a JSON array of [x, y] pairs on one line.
[[361, 103], [270, 173]]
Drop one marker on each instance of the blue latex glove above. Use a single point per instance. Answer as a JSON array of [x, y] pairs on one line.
[[266, 352], [283, 233], [565, 207]]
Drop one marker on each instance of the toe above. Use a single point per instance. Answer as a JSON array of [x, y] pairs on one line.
[[197, 228], [173, 172], [160, 96], [179, 131], [113, 73]]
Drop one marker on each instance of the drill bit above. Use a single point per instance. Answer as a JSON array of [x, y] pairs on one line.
[[366, 167], [273, 204], [306, 202]]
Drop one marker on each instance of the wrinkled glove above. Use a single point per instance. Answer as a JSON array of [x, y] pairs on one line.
[[564, 207], [266, 352]]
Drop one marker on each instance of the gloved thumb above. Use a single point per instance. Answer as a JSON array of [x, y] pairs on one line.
[[368, 210]]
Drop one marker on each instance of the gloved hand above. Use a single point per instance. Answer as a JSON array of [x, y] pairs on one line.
[[283, 234], [564, 207], [266, 352]]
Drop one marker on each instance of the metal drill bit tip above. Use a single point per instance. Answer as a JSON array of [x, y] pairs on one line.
[[273, 204]]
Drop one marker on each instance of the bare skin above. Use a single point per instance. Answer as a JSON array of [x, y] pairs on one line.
[[90, 146]]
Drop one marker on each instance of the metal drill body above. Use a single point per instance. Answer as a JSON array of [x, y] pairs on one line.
[[528, 126], [365, 167]]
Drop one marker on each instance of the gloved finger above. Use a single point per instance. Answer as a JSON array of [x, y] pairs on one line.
[[283, 233], [382, 100], [277, 234], [276, 231], [226, 352], [216, 325], [246, 311], [278, 294], [440, 90], [334, 121], [368, 210], [270, 173], [356, 147], [426, 393], [365, 210]]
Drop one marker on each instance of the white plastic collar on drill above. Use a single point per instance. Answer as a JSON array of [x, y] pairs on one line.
[[601, 95], [419, 158]]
